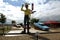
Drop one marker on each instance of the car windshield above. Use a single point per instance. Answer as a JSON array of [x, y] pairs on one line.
[[42, 24]]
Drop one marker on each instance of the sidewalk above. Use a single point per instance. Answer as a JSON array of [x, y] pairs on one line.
[[48, 36], [32, 30]]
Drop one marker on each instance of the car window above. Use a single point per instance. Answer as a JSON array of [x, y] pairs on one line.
[[42, 24]]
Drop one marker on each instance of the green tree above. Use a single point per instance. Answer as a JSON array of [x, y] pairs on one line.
[[13, 22], [33, 21], [21, 24], [2, 20]]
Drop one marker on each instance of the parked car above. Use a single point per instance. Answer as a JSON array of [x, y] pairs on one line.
[[17, 25], [41, 26]]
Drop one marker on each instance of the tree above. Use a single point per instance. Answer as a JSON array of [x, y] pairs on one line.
[[2, 20], [13, 22], [34, 20], [21, 24]]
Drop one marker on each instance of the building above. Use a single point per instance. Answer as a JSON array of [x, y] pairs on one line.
[[52, 24]]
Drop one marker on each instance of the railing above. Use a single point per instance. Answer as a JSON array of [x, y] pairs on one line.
[[1, 30]]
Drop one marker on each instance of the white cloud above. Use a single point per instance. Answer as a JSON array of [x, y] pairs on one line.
[[11, 12], [36, 1], [46, 10], [42, 10]]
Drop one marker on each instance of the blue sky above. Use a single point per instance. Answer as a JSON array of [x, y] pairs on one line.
[[14, 2], [45, 9], [20, 2]]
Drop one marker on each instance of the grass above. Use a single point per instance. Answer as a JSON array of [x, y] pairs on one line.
[[5, 29]]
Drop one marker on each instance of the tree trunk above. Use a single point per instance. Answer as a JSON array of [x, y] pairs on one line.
[[3, 28]]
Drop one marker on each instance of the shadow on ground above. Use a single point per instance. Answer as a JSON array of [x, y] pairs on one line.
[[39, 37]]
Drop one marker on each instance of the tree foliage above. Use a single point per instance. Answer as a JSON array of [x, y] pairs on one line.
[[34, 20], [13, 21], [2, 18]]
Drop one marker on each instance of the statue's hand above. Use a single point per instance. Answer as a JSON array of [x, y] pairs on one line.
[[33, 11], [22, 5]]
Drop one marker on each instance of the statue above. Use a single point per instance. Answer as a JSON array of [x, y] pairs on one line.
[[27, 12]]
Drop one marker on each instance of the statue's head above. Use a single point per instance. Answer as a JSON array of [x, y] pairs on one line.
[[26, 5]]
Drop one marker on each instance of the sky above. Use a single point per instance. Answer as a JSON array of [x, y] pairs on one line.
[[45, 10]]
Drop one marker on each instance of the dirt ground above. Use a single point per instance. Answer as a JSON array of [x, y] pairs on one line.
[[48, 36], [51, 36]]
